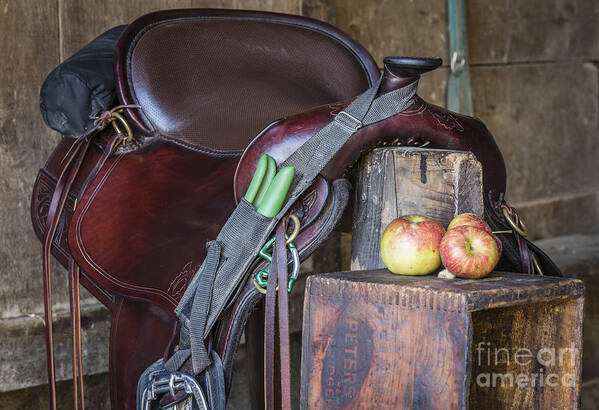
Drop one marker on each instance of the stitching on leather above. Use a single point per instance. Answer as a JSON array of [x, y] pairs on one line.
[[38, 226], [201, 149], [88, 258], [217, 153]]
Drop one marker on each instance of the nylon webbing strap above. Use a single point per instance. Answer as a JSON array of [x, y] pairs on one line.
[[246, 231], [240, 240], [199, 355], [194, 343], [315, 154]]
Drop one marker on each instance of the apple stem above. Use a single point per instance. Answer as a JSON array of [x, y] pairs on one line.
[[496, 232]]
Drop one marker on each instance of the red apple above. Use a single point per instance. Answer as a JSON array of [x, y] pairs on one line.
[[410, 245], [469, 252], [468, 219]]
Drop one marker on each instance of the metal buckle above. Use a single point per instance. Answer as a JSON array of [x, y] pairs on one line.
[[515, 223], [348, 121], [117, 116]]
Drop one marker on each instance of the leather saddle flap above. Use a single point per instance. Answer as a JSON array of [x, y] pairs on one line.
[[207, 82]]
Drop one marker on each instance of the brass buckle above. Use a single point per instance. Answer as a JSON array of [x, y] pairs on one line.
[[117, 116], [520, 228], [517, 225]]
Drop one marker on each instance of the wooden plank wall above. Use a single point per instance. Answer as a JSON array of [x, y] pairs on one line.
[[534, 76]]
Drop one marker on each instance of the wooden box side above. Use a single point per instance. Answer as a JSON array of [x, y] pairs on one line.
[[527, 356], [360, 353]]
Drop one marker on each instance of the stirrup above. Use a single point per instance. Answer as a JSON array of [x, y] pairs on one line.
[[161, 382], [156, 381]]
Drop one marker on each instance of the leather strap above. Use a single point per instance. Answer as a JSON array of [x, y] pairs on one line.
[[527, 266], [73, 161], [78, 395], [269, 334], [277, 278], [281, 271], [525, 256], [57, 203]]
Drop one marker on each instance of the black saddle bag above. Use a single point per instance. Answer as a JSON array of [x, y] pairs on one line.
[[80, 88]]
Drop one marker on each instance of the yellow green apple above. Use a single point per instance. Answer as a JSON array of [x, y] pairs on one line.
[[410, 245]]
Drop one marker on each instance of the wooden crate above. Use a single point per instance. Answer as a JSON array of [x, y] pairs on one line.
[[377, 340]]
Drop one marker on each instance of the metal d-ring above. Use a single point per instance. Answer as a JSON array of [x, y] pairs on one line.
[[296, 229], [122, 120], [261, 277], [536, 264], [519, 227]]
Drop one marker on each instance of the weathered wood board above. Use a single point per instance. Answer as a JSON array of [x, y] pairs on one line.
[[374, 339], [22, 345], [400, 181], [578, 257]]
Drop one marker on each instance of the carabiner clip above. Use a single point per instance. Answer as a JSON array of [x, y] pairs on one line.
[[261, 278]]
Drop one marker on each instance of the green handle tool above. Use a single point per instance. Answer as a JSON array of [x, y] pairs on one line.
[[257, 179], [271, 170], [276, 192]]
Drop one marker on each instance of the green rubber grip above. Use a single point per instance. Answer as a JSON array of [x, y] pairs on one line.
[[259, 173], [276, 192], [271, 170]]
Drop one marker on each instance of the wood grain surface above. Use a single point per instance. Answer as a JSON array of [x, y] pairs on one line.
[[374, 339]]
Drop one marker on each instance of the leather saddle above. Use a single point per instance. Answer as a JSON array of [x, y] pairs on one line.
[[129, 206]]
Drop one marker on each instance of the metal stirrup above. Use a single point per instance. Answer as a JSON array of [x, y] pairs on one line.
[[172, 383]]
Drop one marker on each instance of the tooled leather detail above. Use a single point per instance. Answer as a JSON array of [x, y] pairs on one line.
[[178, 286], [302, 209], [41, 202], [445, 119]]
